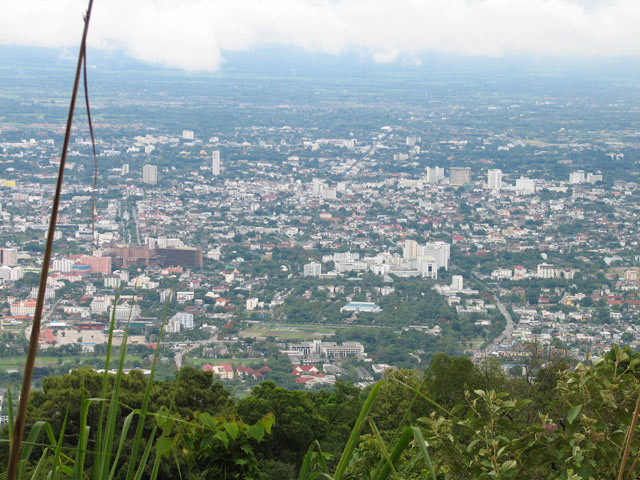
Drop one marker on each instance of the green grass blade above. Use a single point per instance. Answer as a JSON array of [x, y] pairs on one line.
[[402, 444], [10, 409], [305, 469], [145, 402], [83, 440], [109, 432], [56, 456], [347, 453], [145, 454], [31, 441], [382, 446], [417, 433], [431, 401], [105, 381], [123, 437], [36, 470], [306, 464]]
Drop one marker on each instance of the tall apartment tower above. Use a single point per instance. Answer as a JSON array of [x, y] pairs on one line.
[[9, 256], [215, 163], [124, 170], [494, 180], [435, 174], [150, 174], [460, 176]]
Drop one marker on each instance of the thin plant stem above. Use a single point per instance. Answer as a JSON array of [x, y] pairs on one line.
[[18, 427], [630, 433]]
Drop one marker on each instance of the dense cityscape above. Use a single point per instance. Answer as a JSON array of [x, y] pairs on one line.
[[301, 246], [301, 254]]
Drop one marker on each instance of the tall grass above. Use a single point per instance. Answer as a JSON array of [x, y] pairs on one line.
[[55, 461], [314, 464]]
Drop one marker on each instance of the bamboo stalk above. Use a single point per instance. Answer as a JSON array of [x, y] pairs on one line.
[[18, 427]]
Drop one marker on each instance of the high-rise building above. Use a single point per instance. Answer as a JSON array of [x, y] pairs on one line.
[[312, 269], [435, 174], [525, 186], [215, 162], [150, 174], [577, 177], [594, 177], [187, 134], [183, 256], [494, 179], [124, 170], [439, 250], [460, 176], [410, 250], [9, 256]]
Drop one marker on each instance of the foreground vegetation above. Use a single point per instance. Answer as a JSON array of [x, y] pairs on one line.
[[452, 421]]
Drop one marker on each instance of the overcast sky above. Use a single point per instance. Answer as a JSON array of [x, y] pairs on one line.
[[195, 34]]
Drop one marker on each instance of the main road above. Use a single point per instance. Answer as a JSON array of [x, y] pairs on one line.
[[506, 333]]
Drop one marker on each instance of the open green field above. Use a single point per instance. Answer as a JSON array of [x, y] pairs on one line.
[[281, 332], [18, 362], [247, 362]]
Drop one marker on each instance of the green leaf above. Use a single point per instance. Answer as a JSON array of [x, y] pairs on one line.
[[232, 429], [208, 421], [164, 446], [257, 432], [508, 465], [223, 438], [573, 413]]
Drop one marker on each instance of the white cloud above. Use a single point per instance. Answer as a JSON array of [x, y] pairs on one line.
[[192, 34]]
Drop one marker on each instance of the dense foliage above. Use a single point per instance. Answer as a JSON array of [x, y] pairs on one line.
[[455, 420]]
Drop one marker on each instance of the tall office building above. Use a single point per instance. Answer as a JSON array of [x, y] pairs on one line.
[[460, 176], [150, 174], [435, 174], [215, 162], [494, 180], [410, 250], [9, 256], [124, 170], [577, 177], [525, 186], [440, 251]]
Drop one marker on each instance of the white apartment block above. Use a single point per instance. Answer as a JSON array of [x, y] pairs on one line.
[[150, 174]]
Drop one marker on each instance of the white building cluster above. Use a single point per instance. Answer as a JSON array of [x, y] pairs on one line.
[[416, 261]]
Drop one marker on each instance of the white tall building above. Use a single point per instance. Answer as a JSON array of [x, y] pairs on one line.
[[124, 170], [312, 269], [410, 250], [63, 265], [577, 177], [187, 134], [457, 283], [439, 250], [525, 186], [215, 162], [435, 174], [494, 180], [150, 174], [594, 177]]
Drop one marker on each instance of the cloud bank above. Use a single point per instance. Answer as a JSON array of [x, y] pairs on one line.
[[193, 34]]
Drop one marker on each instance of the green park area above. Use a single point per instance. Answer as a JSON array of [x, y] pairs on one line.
[[282, 332], [9, 363]]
